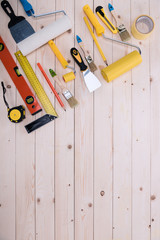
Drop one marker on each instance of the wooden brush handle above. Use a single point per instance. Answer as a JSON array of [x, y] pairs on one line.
[[58, 81], [114, 14], [81, 44]]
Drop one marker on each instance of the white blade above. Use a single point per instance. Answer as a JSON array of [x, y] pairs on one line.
[[91, 80]]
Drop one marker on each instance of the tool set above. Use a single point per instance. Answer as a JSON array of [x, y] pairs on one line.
[[28, 41], [68, 76], [19, 81], [51, 86], [123, 33], [65, 92], [91, 81]]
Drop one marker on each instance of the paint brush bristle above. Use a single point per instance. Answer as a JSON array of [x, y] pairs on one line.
[[70, 99], [123, 33], [92, 66]]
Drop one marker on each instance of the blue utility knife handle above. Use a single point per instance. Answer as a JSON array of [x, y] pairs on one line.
[[110, 7], [27, 7]]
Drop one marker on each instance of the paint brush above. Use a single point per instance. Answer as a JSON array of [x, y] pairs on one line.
[[87, 56], [65, 92], [123, 33]]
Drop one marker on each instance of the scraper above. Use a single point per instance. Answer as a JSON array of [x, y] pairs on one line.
[[19, 27], [90, 79]]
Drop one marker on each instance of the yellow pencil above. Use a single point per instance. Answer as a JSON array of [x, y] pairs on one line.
[[95, 40]]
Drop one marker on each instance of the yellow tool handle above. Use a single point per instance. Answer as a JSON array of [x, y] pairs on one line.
[[95, 39], [105, 19], [58, 54], [88, 11]]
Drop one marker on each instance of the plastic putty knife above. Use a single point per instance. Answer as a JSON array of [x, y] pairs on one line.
[[19, 27], [90, 79]]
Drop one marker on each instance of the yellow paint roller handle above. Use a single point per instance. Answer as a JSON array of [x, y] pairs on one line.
[[95, 39], [58, 54], [88, 11]]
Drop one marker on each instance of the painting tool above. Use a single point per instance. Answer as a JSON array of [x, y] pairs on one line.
[[95, 40], [100, 12], [68, 76], [27, 7], [142, 27], [19, 81], [15, 114], [65, 92], [51, 86], [122, 65], [44, 35], [87, 56], [19, 27], [36, 85], [123, 33], [90, 79]]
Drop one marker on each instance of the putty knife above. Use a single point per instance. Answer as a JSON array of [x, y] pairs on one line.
[[90, 79], [19, 27]]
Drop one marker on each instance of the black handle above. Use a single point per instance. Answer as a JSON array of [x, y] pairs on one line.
[[78, 59], [8, 9], [99, 9]]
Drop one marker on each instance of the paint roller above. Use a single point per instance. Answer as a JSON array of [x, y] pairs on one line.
[[68, 76], [44, 35], [124, 64]]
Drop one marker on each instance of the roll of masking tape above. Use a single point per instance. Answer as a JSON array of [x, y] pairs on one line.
[[142, 27]]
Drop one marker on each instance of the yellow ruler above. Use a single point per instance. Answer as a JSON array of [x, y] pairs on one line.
[[36, 85]]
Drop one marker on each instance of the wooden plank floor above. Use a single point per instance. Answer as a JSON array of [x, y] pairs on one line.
[[94, 172]]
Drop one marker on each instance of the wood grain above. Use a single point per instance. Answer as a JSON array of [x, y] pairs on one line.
[[93, 173]]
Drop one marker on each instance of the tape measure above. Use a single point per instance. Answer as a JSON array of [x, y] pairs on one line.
[[142, 27], [19, 81], [42, 96], [15, 114]]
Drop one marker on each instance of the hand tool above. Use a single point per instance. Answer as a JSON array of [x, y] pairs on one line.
[[68, 76], [27, 7], [87, 56], [90, 79], [19, 81], [36, 85], [96, 41], [123, 33], [65, 92], [44, 35], [15, 114], [51, 86], [18, 26], [142, 27], [121, 66], [100, 12]]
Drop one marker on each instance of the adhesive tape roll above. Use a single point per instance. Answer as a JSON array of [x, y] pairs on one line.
[[69, 76], [142, 27]]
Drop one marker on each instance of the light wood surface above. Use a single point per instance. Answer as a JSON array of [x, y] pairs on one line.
[[93, 173]]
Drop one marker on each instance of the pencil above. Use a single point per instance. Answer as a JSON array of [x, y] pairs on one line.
[[51, 86]]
